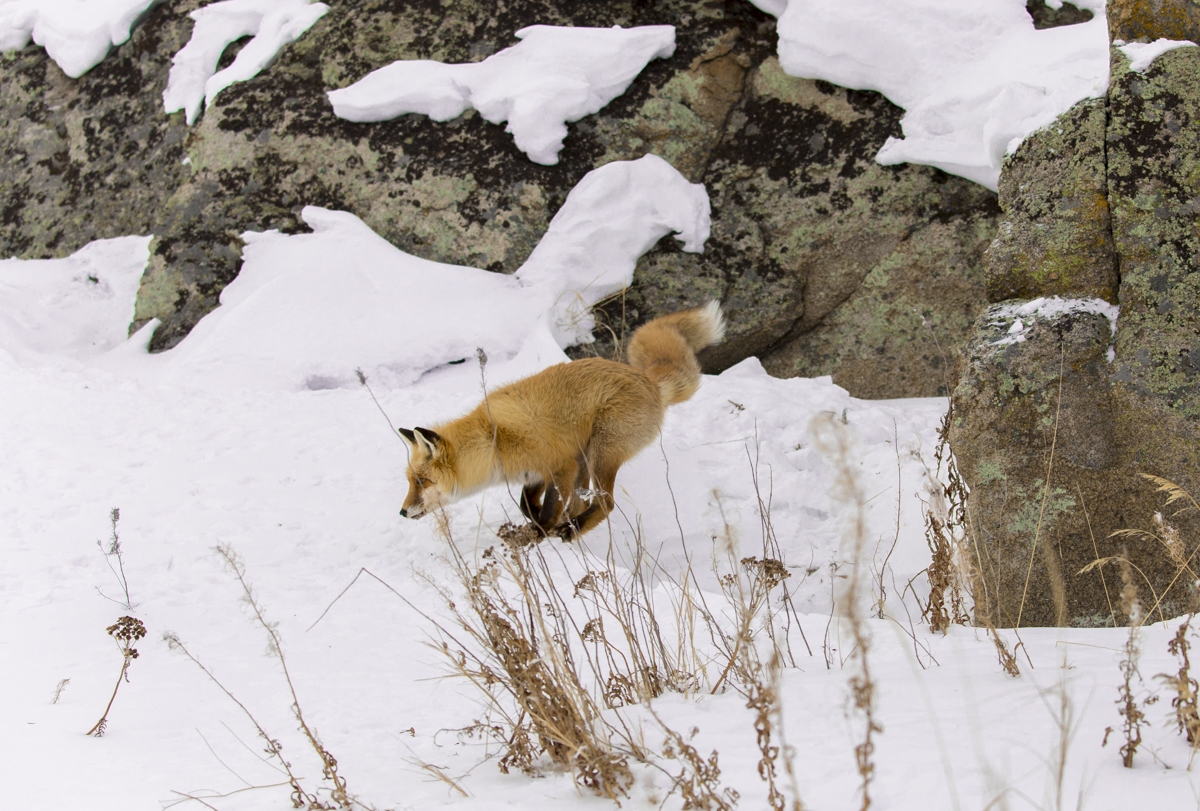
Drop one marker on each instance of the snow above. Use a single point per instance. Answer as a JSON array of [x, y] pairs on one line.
[[553, 76], [973, 76], [1024, 315], [611, 217], [283, 322], [78, 307], [77, 34], [1142, 54], [194, 78]]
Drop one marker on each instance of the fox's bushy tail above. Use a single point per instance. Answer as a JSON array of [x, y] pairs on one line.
[[665, 349]]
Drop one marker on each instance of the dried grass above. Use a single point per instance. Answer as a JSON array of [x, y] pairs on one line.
[[339, 795], [833, 440], [1128, 705], [1185, 705]]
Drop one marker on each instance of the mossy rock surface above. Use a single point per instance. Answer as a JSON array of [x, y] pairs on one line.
[[1148, 20], [1154, 182], [1056, 234], [89, 158], [810, 236], [1051, 452], [1114, 184]]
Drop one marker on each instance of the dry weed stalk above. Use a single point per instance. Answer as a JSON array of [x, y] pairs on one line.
[[941, 578], [1062, 709], [763, 698], [953, 521], [1128, 705], [125, 631], [951, 580], [62, 685], [274, 749], [114, 550], [520, 649], [952, 577], [1168, 537], [747, 586], [749, 596], [699, 781], [547, 676], [640, 664], [1185, 702], [1007, 659], [748, 592], [1055, 575], [833, 440], [773, 552], [328, 763], [300, 798]]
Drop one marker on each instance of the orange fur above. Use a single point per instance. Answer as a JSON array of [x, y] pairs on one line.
[[563, 433]]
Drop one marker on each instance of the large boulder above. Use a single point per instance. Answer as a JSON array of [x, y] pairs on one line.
[[1056, 433], [1048, 447], [827, 262]]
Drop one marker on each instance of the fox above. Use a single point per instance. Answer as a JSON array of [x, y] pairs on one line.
[[563, 433]]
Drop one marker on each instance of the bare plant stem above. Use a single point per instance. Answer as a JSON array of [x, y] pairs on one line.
[[300, 797], [114, 551], [125, 632], [1045, 492], [98, 729], [329, 763], [833, 441]]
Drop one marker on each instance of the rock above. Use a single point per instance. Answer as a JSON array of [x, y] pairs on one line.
[[1006, 412], [1154, 188], [1046, 17], [1056, 235], [1124, 413], [1148, 20], [1044, 409], [827, 262], [89, 158]]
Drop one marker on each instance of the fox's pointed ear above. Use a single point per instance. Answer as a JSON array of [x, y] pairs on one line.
[[408, 437], [429, 440]]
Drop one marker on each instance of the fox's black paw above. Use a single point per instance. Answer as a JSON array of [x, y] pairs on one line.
[[567, 531]]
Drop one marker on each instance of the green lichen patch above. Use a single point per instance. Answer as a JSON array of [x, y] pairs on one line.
[[1154, 181], [1056, 238]]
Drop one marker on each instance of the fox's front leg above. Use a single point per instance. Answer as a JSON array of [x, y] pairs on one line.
[[531, 500], [542, 505], [557, 498]]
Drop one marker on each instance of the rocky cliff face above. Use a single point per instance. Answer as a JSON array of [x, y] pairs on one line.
[[827, 263], [1056, 432]]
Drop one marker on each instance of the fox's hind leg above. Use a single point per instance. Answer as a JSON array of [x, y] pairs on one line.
[[603, 478]]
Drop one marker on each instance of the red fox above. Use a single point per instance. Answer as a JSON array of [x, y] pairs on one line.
[[563, 433]]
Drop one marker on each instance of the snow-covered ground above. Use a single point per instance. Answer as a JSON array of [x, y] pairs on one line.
[[254, 433]]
